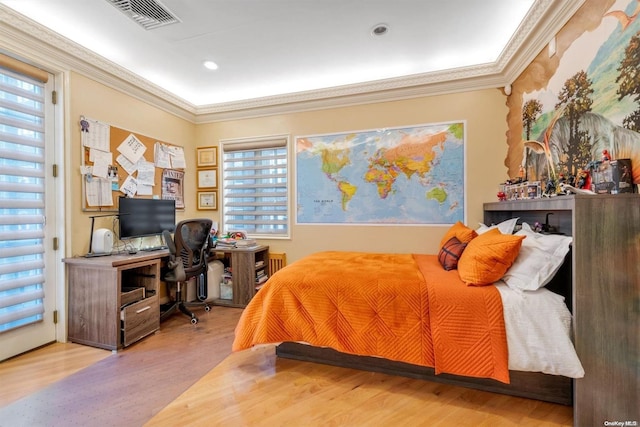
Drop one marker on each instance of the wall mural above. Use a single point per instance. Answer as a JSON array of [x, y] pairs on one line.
[[571, 110]]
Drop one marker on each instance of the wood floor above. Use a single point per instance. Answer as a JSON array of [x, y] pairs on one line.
[[33, 371], [254, 388]]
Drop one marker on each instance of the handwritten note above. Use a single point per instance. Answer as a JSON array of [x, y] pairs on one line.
[[132, 148]]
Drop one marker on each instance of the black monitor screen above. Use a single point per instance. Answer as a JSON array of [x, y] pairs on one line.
[[145, 217]]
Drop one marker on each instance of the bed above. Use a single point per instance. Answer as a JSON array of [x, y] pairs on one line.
[[406, 314]]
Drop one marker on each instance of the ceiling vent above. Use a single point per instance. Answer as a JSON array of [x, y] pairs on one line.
[[149, 14]]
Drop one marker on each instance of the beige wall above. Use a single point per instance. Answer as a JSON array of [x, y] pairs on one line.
[[484, 112], [97, 101]]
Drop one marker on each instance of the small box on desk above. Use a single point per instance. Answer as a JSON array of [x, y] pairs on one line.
[[612, 177]]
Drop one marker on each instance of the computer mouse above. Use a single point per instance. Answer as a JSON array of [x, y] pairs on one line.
[[132, 251]]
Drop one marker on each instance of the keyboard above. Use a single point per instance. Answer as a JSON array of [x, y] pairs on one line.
[[155, 248], [92, 255]]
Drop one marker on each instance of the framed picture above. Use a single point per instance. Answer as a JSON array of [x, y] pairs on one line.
[[207, 178], [207, 156], [208, 200]]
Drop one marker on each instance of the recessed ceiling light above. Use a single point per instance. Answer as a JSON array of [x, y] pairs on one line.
[[380, 30], [210, 65]]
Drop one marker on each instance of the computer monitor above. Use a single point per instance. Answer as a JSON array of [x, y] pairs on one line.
[[145, 217]]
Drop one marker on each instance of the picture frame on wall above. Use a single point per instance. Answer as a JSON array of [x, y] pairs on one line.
[[208, 200], [208, 178], [207, 156]]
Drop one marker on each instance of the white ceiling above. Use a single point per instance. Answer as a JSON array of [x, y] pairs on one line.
[[270, 48]]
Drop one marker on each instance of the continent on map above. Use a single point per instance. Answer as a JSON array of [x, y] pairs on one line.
[[438, 194], [412, 155], [334, 160], [383, 175], [348, 191]]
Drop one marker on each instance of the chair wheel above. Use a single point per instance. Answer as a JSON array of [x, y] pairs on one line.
[[194, 320], [207, 308]]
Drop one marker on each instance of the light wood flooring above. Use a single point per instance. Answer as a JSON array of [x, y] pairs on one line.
[[33, 371], [254, 388]]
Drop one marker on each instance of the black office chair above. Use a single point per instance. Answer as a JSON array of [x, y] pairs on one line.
[[188, 250]]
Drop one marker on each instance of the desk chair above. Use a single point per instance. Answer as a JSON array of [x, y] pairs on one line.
[[188, 251]]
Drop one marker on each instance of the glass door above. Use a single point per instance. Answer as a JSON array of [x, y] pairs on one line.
[[27, 215]]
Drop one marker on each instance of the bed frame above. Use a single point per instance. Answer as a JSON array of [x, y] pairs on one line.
[[532, 385]]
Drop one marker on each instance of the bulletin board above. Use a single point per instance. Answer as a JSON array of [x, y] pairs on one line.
[[108, 174]]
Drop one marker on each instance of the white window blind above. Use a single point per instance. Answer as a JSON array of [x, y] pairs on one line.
[[255, 187], [22, 188]]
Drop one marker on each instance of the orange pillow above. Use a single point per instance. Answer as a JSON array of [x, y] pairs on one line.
[[461, 232], [488, 257]]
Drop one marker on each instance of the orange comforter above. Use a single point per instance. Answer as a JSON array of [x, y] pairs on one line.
[[400, 307]]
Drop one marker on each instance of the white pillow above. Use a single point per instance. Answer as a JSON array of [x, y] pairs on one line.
[[538, 327], [540, 258], [505, 227]]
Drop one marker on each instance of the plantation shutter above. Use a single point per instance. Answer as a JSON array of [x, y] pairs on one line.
[[22, 195], [255, 187]]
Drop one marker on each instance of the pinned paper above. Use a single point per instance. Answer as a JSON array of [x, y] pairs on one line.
[[126, 164], [146, 173], [98, 191], [132, 148], [129, 187], [161, 155], [176, 154], [101, 162], [94, 134]]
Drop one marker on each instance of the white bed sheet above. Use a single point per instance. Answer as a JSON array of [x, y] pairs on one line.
[[538, 327]]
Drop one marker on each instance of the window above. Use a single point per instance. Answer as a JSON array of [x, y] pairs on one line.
[[22, 201], [255, 189]]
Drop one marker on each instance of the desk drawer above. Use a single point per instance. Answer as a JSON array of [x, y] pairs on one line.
[[131, 295], [140, 319]]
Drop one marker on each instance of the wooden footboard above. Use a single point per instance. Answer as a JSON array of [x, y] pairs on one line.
[[532, 385]]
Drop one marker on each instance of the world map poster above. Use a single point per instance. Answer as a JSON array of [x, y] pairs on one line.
[[406, 175]]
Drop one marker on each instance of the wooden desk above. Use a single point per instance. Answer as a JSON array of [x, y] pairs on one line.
[[113, 300]]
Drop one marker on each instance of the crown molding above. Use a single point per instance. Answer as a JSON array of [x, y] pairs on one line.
[[44, 48], [550, 16], [41, 47], [442, 82]]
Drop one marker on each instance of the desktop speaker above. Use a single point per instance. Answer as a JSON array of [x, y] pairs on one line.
[[102, 241]]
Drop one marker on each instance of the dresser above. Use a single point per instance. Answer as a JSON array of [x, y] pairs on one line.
[[605, 259]]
